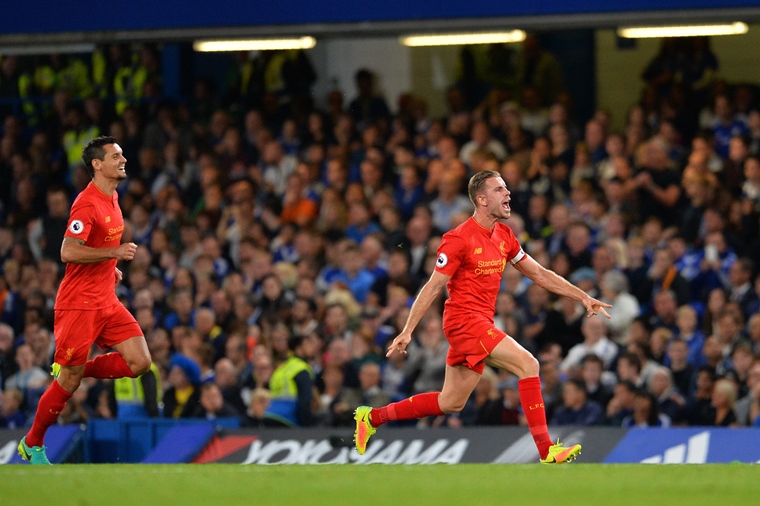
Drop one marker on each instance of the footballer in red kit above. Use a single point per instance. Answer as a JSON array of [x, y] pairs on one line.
[[470, 263], [95, 219], [87, 310], [474, 257]]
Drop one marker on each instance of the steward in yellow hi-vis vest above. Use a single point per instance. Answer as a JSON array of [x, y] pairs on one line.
[[291, 386], [138, 397]]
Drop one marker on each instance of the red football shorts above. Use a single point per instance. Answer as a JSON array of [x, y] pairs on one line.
[[471, 340], [75, 330]]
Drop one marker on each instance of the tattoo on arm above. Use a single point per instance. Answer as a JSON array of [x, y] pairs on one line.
[[72, 240]]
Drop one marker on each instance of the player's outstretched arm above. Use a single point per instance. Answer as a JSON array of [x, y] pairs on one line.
[[555, 283], [422, 303], [73, 251]]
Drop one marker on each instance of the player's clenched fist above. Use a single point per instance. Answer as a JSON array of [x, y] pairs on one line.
[[126, 251]]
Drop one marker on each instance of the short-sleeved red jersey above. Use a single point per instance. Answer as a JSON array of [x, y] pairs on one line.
[[475, 258], [95, 218]]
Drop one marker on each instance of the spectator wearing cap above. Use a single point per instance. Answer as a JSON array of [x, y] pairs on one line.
[[183, 395], [585, 279], [576, 409]]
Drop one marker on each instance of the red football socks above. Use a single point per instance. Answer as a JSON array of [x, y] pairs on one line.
[[533, 405], [110, 365], [50, 406], [416, 406]]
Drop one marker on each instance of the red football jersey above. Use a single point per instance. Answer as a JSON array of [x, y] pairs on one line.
[[475, 258], [95, 218]]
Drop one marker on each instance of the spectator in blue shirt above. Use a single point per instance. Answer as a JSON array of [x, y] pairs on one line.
[[727, 126], [353, 273], [576, 409]]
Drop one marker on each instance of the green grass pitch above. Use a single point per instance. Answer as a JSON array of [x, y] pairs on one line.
[[358, 485]]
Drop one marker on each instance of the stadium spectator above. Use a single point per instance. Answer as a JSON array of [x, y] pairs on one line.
[[183, 395], [646, 412], [595, 341], [576, 408], [213, 159]]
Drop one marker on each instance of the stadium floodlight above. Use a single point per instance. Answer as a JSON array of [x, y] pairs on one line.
[[461, 39], [643, 32], [205, 46]]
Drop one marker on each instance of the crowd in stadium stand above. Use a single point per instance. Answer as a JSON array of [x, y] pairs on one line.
[[269, 228]]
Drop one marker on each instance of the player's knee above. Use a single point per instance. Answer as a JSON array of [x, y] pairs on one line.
[[140, 366], [70, 378], [451, 407], [530, 365]]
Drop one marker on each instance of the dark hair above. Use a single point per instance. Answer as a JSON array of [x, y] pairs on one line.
[[653, 417], [592, 357], [363, 74], [579, 384], [94, 151], [629, 385], [475, 186], [295, 341], [632, 359], [310, 303], [709, 370]]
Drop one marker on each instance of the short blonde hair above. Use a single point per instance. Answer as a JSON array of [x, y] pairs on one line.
[[728, 389]]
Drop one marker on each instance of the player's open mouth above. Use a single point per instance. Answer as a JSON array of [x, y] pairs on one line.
[[505, 205]]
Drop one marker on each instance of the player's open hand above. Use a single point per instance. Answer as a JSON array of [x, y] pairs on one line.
[[399, 344], [119, 276], [126, 251], [594, 307]]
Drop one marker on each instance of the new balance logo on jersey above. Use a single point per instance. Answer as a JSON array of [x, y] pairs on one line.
[[108, 219], [478, 251]]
